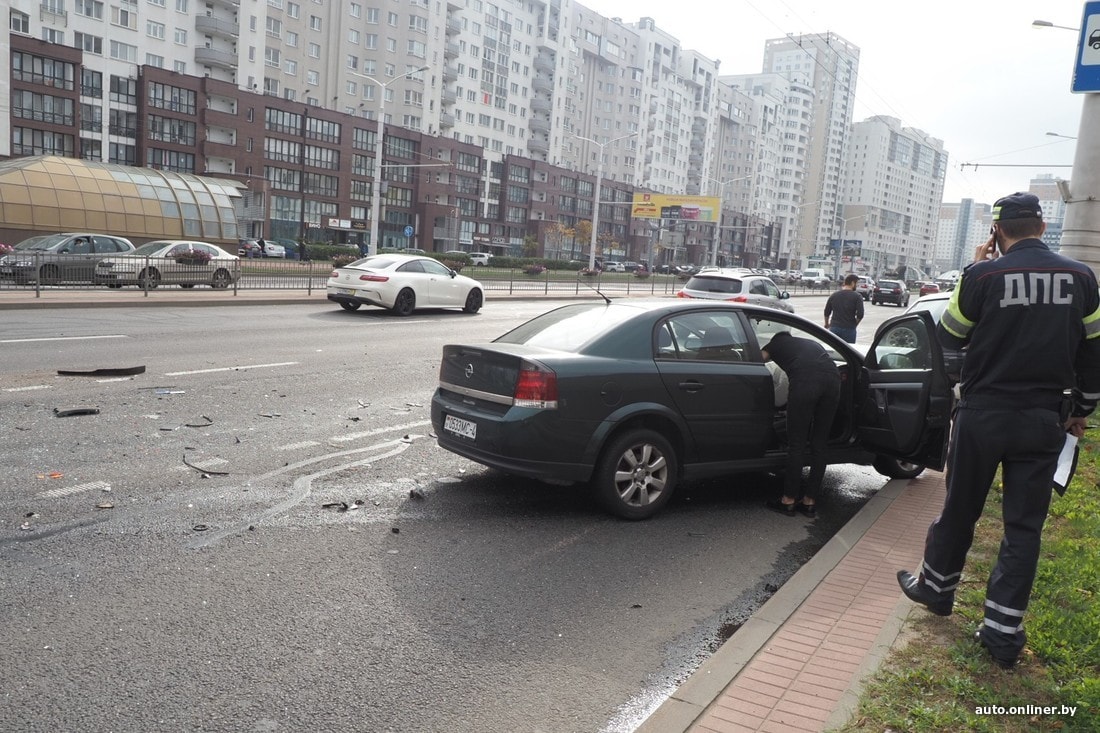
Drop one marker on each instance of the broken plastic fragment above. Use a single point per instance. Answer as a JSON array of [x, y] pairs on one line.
[[72, 411], [170, 390], [200, 527], [340, 506], [120, 372], [104, 505], [416, 494], [204, 470], [201, 424]]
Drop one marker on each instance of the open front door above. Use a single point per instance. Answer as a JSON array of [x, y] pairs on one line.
[[906, 411]]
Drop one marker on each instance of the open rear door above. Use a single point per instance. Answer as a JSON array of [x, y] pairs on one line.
[[906, 411]]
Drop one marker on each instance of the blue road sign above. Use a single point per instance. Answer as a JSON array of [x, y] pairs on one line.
[[1086, 75], [409, 231]]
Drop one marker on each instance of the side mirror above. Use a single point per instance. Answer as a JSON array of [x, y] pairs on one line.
[[784, 295]]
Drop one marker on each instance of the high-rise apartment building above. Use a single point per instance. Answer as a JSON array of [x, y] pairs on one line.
[[1054, 207], [829, 65], [893, 186], [961, 228]]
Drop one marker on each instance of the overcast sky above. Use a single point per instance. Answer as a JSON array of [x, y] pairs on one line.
[[972, 73]]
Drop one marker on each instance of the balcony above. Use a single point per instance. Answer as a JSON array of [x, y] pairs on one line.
[[453, 27], [544, 64], [451, 50], [539, 124], [539, 104], [538, 146], [543, 84], [450, 73], [449, 96], [231, 4], [214, 57], [446, 119], [210, 26]]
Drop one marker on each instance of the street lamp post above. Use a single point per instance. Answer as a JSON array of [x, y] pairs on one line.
[[1081, 226], [596, 194], [376, 184], [721, 212]]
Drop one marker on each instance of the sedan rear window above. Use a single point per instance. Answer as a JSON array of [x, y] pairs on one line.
[[711, 284], [569, 328]]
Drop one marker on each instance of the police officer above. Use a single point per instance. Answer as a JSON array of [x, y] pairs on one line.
[[1030, 320]]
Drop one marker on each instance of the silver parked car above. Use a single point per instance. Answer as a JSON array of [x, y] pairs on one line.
[[52, 259], [171, 262], [735, 285]]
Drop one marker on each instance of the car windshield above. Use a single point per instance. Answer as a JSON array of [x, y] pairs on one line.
[[711, 284], [150, 248], [42, 241], [570, 327]]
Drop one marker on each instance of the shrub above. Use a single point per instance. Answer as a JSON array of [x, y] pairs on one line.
[[641, 274], [343, 260], [5, 249]]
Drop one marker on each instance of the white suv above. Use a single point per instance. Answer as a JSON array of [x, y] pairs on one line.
[[480, 259], [735, 286], [865, 286]]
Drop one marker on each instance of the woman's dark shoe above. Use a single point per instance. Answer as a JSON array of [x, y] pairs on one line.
[[776, 505], [810, 510]]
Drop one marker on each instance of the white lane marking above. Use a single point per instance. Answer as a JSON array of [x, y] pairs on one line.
[[296, 446], [28, 389], [346, 437], [70, 490], [63, 338], [303, 485], [115, 379], [231, 369]]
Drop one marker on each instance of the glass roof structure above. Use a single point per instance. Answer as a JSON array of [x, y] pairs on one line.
[[41, 194]]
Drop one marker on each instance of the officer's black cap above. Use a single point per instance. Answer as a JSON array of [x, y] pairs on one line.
[[1020, 205]]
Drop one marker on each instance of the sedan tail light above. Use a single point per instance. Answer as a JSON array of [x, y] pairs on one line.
[[372, 278], [682, 294], [738, 299], [536, 386]]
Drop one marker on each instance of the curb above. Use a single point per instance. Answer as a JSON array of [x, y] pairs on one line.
[[692, 698]]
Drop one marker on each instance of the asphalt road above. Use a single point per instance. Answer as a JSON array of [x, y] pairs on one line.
[[181, 560]]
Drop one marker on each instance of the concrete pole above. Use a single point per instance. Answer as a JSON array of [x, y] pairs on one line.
[[1081, 228]]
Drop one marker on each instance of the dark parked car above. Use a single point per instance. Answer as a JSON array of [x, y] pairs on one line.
[[890, 291], [634, 397], [50, 259]]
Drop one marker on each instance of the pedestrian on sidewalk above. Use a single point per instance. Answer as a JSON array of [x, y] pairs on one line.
[[812, 399], [844, 310], [1030, 320]]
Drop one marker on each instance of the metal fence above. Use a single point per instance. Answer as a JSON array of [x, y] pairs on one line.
[[36, 273]]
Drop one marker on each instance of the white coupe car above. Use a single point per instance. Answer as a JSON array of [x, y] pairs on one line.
[[403, 283]]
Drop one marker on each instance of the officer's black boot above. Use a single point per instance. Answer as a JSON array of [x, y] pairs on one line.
[[915, 590]]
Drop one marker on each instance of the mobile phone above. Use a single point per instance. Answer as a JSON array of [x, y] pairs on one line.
[[996, 241]]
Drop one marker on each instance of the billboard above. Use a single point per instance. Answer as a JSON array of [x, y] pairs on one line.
[[852, 247], [661, 206]]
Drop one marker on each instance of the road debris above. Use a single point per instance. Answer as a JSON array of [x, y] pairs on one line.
[[203, 470], [170, 390], [51, 474], [208, 423], [340, 506], [363, 404], [112, 372], [25, 527], [200, 527], [416, 494], [74, 411], [104, 505]]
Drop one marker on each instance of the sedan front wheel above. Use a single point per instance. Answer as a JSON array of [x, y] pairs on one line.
[[473, 301], [636, 474]]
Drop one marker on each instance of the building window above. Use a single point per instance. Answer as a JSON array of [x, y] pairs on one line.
[[88, 43], [170, 160], [124, 17], [25, 141], [123, 51], [28, 105], [180, 36], [294, 10], [91, 149], [122, 154], [20, 22], [372, 16], [91, 118], [355, 10], [314, 22], [151, 59], [154, 29], [53, 35]]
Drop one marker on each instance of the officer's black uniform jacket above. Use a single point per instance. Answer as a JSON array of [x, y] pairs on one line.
[[1030, 321]]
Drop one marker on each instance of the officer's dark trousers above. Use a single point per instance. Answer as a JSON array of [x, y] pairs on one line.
[[811, 405], [1025, 443]]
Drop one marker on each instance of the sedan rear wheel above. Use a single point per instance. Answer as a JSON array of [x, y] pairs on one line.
[[405, 303], [348, 306], [636, 474], [49, 275], [473, 301]]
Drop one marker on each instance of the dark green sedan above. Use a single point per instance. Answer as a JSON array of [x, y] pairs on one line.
[[634, 397]]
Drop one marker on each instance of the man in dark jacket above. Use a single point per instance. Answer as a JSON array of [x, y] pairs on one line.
[[1030, 320], [812, 400], [844, 310]]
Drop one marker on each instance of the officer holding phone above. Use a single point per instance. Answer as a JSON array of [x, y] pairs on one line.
[[1030, 319]]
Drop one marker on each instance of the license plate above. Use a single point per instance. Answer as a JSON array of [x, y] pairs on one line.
[[465, 428], [345, 291]]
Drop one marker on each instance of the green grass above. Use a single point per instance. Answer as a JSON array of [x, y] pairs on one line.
[[938, 679]]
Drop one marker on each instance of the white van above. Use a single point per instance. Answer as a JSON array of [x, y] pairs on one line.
[[815, 277]]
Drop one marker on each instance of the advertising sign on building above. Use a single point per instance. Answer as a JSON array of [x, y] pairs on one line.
[[662, 206]]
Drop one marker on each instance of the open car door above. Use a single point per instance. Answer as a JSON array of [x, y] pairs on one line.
[[906, 411]]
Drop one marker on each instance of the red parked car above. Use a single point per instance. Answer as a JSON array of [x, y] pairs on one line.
[[928, 289]]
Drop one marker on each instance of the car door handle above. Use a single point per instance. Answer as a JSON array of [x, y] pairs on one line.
[[691, 385]]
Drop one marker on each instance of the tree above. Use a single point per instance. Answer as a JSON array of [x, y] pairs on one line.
[[583, 232], [530, 246]]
